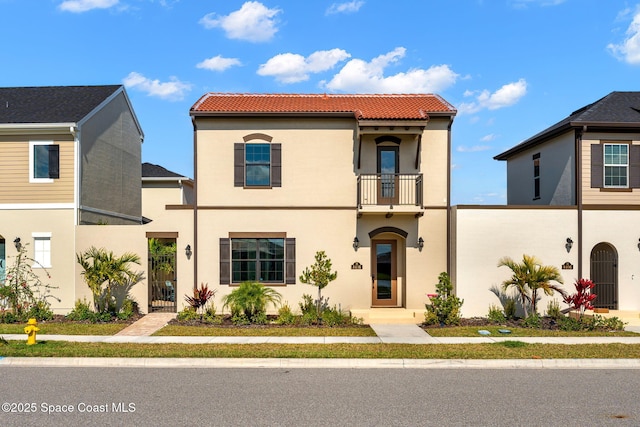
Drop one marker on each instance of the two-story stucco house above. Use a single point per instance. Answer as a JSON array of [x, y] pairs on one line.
[[573, 194], [69, 158], [364, 178]]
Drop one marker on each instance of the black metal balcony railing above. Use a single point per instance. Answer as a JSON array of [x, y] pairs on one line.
[[389, 189]]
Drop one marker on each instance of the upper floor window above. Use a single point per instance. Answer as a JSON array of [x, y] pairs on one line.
[[257, 165], [44, 161], [536, 176], [616, 165]]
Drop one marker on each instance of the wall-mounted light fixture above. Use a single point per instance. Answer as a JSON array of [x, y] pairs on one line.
[[639, 244], [17, 244], [187, 251], [569, 244], [356, 243], [420, 244]]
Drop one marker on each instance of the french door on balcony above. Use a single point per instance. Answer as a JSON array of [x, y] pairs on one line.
[[388, 169]]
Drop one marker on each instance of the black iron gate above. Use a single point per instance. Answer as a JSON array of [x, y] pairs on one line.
[[162, 275], [604, 273]]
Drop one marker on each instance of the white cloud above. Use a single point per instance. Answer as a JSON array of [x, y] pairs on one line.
[[218, 63], [489, 138], [349, 7], [294, 68], [173, 90], [523, 4], [473, 149], [506, 96], [79, 6], [629, 49], [368, 77], [253, 22]]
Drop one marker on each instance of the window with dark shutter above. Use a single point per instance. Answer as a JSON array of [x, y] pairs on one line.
[[238, 165], [597, 166], [290, 262], [225, 261], [276, 165], [634, 166], [54, 161]]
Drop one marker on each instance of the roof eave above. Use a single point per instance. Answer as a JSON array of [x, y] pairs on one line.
[[341, 114], [37, 128]]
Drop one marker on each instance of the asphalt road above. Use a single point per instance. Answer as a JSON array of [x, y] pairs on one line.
[[318, 397]]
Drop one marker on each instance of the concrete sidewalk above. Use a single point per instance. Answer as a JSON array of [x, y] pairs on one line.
[[386, 334]]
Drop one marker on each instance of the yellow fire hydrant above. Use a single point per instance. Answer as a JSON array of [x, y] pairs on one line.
[[31, 330]]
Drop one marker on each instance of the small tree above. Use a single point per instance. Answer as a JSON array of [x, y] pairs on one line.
[[581, 299], [319, 275], [109, 277], [531, 275], [24, 290], [445, 306]]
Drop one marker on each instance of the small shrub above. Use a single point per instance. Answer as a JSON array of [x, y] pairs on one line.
[[8, 317], [335, 317], [250, 300], [307, 305], [129, 309], [496, 315], [614, 324], [570, 324], [82, 311], [285, 315], [510, 308], [188, 314], [40, 310], [445, 307], [553, 310], [582, 298], [200, 298], [531, 321]]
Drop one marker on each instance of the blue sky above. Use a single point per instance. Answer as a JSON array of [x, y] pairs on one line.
[[510, 67]]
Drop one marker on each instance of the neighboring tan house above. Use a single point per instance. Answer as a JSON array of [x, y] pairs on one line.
[[69, 158], [167, 205], [573, 193], [364, 178]]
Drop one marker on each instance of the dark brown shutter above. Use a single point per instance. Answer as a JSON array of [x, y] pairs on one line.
[[597, 165], [290, 261], [54, 161], [276, 165], [225, 261], [238, 165], [634, 166]]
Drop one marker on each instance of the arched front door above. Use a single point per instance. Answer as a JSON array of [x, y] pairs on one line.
[[604, 273], [384, 274]]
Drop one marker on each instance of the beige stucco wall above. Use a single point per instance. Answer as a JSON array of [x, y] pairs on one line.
[[557, 174], [317, 159], [434, 162], [596, 196], [484, 235], [14, 171], [619, 229], [117, 239], [57, 222]]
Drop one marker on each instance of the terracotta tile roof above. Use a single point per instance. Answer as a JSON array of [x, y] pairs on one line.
[[363, 107]]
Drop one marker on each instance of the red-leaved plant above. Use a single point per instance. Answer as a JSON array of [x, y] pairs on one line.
[[200, 297], [581, 299]]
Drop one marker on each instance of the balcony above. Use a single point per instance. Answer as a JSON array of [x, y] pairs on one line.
[[390, 193]]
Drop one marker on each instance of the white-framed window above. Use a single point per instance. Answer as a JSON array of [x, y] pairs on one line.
[[42, 250], [44, 161], [616, 165]]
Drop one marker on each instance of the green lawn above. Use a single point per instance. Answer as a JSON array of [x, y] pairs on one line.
[[66, 328], [507, 350], [256, 331], [472, 331]]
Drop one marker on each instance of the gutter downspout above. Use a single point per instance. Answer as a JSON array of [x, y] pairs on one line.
[[578, 184], [449, 196], [195, 203]]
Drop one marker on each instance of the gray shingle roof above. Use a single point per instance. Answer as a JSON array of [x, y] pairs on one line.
[[619, 110], [51, 104], [149, 170]]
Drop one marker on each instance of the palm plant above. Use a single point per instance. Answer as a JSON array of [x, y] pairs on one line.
[[531, 275], [250, 300], [109, 277]]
